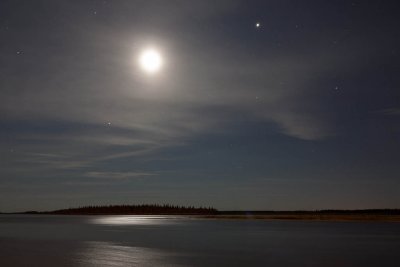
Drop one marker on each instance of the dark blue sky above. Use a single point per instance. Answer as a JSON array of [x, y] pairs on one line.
[[300, 113]]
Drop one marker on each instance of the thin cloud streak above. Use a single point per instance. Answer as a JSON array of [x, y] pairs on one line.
[[117, 175]]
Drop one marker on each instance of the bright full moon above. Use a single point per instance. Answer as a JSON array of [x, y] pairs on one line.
[[150, 61]]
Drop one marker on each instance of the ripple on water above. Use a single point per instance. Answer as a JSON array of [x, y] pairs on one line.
[[98, 254], [135, 220]]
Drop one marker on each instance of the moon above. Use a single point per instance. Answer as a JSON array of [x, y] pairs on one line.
[[150, 61]]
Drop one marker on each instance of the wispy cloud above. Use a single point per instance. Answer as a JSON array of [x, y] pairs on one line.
[[390, 111], [98, 107], [117, 175]]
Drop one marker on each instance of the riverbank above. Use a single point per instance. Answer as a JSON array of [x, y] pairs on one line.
[[382, 215], [310, 217]]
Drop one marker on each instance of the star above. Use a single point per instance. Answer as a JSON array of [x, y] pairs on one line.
[[258, 25]]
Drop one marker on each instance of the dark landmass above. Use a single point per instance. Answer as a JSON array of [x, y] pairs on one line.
[[212, 213], [132, 210], [316, 212], [389, 215]]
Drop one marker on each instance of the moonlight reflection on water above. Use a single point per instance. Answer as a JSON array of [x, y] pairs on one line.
[[99, 254], [135, 220]]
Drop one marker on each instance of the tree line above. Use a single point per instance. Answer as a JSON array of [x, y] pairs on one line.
[[145, 209]]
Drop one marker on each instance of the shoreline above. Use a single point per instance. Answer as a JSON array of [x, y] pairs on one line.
[[309, 217], [265, 217]]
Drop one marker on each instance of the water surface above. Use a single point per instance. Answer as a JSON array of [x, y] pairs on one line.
[[41, 240]]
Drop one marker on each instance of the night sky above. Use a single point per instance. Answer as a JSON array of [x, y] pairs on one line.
[[257, 105]]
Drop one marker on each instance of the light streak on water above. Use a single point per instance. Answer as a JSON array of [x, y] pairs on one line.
[[136, 220], [99, 254]]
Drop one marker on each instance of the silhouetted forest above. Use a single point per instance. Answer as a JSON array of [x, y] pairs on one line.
[[137, 209], [156, 209]]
